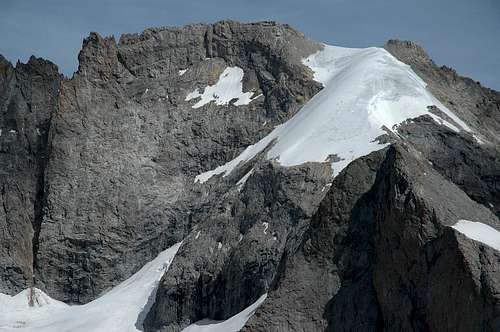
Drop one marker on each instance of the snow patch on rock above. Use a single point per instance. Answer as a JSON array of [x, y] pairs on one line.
[[228, 87], [266, 226], [232, 324], [478, 231]]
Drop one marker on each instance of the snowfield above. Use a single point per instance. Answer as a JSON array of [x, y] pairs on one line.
[[233, 324], [480, 232], [228, 87], [122, 309], [366, 92]]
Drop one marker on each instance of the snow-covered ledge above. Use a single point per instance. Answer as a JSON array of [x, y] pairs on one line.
[[480, 232], [228, 87]]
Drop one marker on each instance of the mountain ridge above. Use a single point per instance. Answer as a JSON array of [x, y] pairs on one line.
[[115, 184]]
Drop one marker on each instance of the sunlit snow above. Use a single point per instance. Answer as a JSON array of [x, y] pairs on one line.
[[228, 87], [232, 324], [365, 90], [478, 231], [122, 309]]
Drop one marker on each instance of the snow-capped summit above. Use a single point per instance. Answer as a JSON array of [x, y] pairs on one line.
[[366, 92]]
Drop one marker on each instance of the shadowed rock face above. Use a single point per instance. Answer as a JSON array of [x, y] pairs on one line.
[[410, 279], [28, 98], [237, 252], [473, 167], [333, 265], [97, 177], [373, 258]]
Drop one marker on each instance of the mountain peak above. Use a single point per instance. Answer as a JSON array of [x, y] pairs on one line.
[[257, 171]]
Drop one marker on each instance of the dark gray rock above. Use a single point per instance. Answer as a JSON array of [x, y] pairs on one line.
[[237, 252], [373, 258], [462, 289], [416, 288], [474, 167], [127, 145], [317, 285], [28, 96]]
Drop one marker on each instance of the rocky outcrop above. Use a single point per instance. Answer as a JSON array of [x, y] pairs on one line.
[[28, 97], [410, 279], [460, 158], [373, 258], [477, 105], [127, 143], [238, 248], [334, 263]]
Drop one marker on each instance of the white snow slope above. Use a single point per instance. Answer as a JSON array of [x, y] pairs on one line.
[[232, 324], [478, 231], [122, 309], [228, 87], [364, 91]]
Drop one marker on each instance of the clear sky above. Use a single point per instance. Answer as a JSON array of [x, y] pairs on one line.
[[463, 34]]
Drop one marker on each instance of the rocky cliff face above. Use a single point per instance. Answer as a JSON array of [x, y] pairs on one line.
[[373, 257], [28, 97], [127, 143], [98, 176]]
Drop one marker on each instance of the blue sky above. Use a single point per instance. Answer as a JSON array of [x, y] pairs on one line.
[[464, 34]]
